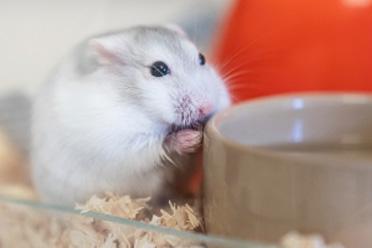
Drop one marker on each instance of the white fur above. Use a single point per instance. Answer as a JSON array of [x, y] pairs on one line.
[[103, 130]]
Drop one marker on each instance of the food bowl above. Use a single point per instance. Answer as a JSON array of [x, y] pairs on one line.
[[291, 162]]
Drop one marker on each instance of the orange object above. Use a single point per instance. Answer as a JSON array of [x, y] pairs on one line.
[[269, 46]]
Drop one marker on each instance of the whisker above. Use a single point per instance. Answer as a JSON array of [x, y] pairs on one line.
[[239, 51], [243, 64], [235, 70], [232, 58], [244, 86], [257, 58], [239, 73]]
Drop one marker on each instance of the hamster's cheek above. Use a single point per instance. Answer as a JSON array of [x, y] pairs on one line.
[[224, 100], [158, 101], [219, 90], [224, 95]]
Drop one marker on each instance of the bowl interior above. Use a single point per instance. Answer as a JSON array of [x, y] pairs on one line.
[[328, 119]]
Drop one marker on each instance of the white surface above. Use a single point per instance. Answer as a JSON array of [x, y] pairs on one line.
[[36, 34]]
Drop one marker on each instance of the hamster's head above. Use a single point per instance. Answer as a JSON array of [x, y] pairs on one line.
[[161, 71]]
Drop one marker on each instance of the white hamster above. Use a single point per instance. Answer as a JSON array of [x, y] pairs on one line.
[[114, 110]]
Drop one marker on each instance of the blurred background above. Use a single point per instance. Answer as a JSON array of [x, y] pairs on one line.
[[261, 47], [36, 34]]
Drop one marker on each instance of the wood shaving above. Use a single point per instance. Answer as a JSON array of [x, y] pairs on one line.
[[296, 240], [25, 227], [179, 217]]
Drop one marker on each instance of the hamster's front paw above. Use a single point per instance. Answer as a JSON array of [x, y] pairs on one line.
[[184, 141]]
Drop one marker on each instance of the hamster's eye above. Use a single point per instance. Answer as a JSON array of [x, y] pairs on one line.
[[159, 69], [201, 59]]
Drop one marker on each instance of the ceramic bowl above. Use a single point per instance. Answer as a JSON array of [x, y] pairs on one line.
[[291, 162]]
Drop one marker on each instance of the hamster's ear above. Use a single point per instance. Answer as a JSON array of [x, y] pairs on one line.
[[178, 29], [104, 50]]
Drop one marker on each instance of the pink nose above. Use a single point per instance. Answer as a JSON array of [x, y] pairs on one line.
[[205, 110]]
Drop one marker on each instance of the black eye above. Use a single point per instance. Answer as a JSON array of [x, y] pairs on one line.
[[201, 59], [159, 69]]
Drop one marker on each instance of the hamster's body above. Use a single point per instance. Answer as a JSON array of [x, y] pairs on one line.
[[109, 118]]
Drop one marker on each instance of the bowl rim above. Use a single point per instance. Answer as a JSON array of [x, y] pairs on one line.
[[212, 129]]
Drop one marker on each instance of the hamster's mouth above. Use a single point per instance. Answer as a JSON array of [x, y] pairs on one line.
[[198, 125]]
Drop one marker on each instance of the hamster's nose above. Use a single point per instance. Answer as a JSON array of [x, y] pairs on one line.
[[204, 110]]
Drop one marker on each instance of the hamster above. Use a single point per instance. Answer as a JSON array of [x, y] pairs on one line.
[[116, 109]]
